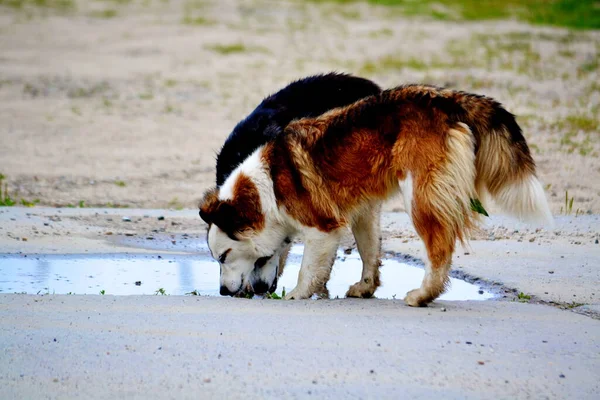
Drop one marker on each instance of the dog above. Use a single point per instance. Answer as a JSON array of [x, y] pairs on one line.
[[307, 97], [442, 148]]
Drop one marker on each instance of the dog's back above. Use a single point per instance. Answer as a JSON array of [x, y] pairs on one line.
[[307, 97]]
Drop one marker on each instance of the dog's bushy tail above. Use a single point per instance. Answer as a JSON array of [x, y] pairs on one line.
[[505, 170]]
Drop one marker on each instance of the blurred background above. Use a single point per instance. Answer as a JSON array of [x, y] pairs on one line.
[[124, 103]]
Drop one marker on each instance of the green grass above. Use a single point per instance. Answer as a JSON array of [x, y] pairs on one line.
[[478, 207], [61, 5], [523, 297], [5, 199], [568, 207], [393, 63], [115, 205], [577, 14], [103, 292], [235, 48], [120, 183], [197, 21], [80, 204], [106, 14], [160, 291], [226, 49], [168, 109], [580, 123], [574, 126], [27, 203], [175, 204], [85, 92], [574, 304], [275, 296]]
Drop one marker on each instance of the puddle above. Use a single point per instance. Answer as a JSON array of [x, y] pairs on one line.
[[117, 274]]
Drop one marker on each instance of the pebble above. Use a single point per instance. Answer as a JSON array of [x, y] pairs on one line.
[[161, 218], [443, 309], [126, 219]]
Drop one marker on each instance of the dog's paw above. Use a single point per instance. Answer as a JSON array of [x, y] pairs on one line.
[[361, 290], [297, 294], [415, 298]]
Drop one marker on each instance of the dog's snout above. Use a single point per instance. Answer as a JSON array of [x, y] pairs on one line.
[[224, 291]]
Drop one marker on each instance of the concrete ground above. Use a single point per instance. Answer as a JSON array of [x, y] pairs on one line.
[[203, 347], [57, 346]]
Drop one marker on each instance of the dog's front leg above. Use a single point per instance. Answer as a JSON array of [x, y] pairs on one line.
[[319, 254], [366, 230]]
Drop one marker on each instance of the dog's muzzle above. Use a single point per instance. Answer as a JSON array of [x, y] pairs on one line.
[[224, 291], [262, 287]]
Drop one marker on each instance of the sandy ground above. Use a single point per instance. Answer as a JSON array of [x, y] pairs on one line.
[[122, 103]]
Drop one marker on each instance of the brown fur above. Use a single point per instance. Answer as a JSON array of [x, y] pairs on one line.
[[236, 216], [324, 169]]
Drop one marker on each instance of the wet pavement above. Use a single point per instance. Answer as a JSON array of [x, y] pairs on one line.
[[179, 274]]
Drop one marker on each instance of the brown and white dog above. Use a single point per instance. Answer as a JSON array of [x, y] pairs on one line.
[[442, 148]]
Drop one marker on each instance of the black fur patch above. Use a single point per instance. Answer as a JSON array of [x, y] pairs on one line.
[[307, 97]]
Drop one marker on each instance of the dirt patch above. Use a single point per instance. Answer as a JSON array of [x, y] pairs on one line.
[[125, 104]]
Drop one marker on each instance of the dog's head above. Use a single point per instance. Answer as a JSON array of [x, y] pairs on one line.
[[241, 238]]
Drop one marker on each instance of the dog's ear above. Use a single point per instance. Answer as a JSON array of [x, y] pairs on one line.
[[209, 205], [239, 216]]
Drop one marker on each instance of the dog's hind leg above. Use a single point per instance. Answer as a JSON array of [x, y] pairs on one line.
[[366, 230], [439, 242], [319, 254], [441, 211]]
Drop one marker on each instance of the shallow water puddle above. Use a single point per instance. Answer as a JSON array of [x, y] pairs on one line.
[[123, 274]]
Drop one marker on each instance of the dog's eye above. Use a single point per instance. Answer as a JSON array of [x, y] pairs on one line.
[[223, 256], [261, 261]]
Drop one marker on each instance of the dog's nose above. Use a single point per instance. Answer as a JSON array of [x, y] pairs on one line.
[[260, 287], [224, 291]]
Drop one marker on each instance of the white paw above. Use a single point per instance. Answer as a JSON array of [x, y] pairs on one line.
[[361, 290], [414, 298], [297, 294]]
